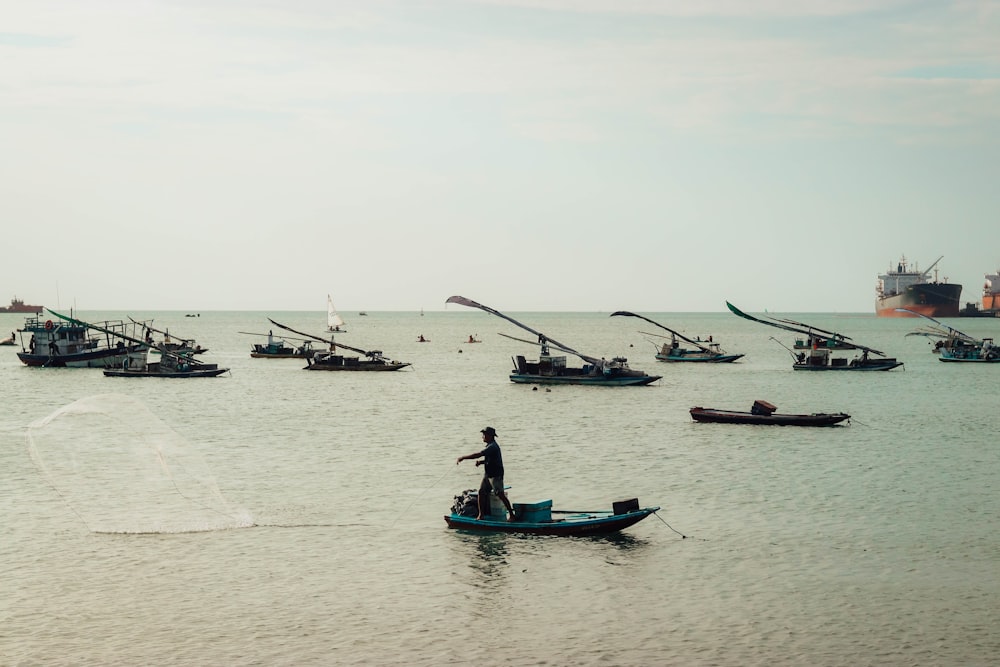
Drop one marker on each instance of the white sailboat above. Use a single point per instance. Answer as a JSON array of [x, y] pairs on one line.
[[334, 321]]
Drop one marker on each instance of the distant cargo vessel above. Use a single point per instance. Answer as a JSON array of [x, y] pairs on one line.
[[991, 292], [18, 306], [912, 289]]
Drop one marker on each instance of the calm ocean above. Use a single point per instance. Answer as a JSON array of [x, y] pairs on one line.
[[876, 543]]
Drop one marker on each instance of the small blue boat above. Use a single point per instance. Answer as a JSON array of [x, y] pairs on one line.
[[540, 519]]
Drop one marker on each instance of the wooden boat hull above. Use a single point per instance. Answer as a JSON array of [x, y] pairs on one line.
[[573, 524], [697, 357], [591, 380], [194, 373], [883, 365], [712, 415], [98, 358], [968, 360], [279, 355], [360, 366]]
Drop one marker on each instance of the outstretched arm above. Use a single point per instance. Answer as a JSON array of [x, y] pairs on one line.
[[469, 456]]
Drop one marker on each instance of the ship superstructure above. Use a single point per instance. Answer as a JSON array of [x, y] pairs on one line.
[[910, 288]]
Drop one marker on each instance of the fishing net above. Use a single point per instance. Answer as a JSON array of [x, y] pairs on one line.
[[122, 470]]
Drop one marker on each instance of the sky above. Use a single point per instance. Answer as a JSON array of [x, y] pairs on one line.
[[564, 155]]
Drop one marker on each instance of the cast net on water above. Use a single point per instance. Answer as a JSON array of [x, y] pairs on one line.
[[123, 470]]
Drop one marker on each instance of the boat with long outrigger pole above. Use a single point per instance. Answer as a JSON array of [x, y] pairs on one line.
[[280, 347], [66, 343], [136, 363], [552, 369], [957, 346], [172, 343], [708, 351], [373, 360], [822, 346]]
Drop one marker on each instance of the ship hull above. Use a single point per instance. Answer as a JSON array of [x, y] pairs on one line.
[[930, 299]]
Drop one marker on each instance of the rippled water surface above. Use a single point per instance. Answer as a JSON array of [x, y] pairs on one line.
[[874, 543]]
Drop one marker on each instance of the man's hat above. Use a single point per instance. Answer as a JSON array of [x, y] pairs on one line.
[[489, 430]]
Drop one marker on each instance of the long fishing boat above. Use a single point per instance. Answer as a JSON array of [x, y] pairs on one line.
[[367, 360], [823, 346], [65, 342], [134, 353], [707, 351], [957, 346], [550, 369], [540, 519], [763, 413], [172, 343]]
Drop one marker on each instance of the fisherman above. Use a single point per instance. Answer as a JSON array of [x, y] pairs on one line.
[[491, 458]]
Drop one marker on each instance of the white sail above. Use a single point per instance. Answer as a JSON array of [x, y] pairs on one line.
[[333, 319]]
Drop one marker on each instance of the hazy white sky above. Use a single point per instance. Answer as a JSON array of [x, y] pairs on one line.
[[650, 155]]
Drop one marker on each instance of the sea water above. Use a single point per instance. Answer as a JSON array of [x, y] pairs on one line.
[[874, 543]]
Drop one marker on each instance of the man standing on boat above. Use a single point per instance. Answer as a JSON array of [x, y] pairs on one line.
[[492, 459]]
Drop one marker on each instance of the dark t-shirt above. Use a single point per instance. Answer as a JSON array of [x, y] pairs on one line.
[[494, 461]]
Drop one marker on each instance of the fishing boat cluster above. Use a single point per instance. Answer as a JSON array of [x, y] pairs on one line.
[[136, 348]]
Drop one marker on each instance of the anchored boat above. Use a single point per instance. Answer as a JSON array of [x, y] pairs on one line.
[[958, 346], [65, 343], [707, 351], [553, 369], [763, 413], [909, 290], [277, 347], [820, 352], [368, 360], [540, 519]]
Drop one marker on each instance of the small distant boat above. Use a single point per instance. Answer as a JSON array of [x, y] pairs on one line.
[[473, 339], [540, 519], [19, 306], [363, 314], [764, 413], [957, 346], [552, 369], [421, 339], [10, 340], [334, 321], [372, 360], [819, 352], [707, 351]]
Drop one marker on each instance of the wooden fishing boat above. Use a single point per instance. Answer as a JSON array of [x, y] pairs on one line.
[[957, 346], [66, 343], [169, 366], [763, 413], [707, 351], [278, 347], [10, 340], [132, 358], [822, 347], [172, 343], [369, 360], [540, 519], [552, 369]]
